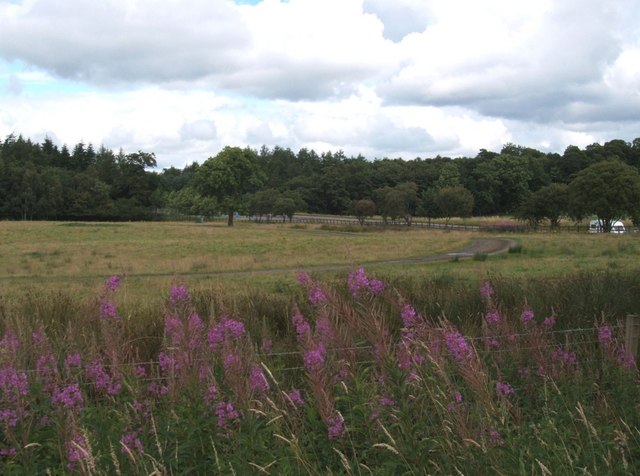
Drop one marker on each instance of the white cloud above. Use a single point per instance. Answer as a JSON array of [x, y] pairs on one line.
[[184, 78]]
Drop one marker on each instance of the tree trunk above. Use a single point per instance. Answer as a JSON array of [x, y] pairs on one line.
[[230, 219]]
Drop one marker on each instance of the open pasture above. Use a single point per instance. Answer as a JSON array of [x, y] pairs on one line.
[[49, 255]]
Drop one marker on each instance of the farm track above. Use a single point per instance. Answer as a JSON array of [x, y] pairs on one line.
[[485, 246]]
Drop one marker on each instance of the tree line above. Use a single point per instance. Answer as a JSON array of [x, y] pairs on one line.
[[45, 181]]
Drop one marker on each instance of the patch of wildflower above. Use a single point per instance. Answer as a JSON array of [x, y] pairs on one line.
[[96, 373], [457, 401], [486, 291], [226, 414], [77, 451], [7, 452], [504, 390], [157, 390], [458, 346], [409, 316], [314, 358], [9, 343], [8, 417], [179, 295], [300, 325], [73, 360], [563, 357], [295, 399], [108, 310], [527, 316], [492, 317], [225, 329], [335, 426], [13, 384], [130, 443], [549, 322], [257, 381], [605, 335], [358, 281], [495, 438], [68, 397], [112, 283], [324, 329], [211, 395]]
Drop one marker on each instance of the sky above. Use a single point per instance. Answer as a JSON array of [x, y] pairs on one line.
[[380, 78]]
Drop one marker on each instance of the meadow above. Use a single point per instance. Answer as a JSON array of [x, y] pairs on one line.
[[172, 348]]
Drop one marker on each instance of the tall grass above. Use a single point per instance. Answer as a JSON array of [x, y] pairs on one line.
[[353, 375]]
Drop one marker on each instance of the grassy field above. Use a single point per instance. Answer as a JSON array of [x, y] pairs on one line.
[[48, 255]]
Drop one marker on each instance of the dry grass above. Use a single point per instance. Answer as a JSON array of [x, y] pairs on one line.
[[153, 255]]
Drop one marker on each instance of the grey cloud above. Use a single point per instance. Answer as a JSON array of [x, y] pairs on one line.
[[106, 42], [558, 76]]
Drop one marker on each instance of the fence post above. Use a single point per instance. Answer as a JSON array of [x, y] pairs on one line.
[[631, 332]]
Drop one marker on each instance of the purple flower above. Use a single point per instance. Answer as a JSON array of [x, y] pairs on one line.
[[314, 358], [605, 335], [76, 450], [457, 401], [13, 384], [316, 295], [335, 426], [626, 359], [101, 379], [231, 363], [166, 362], [9, 342], [486, 290], [457, 346], [492, 317], [324, 329], [503, 389], [112, 283], [527, 316], [409, 316], [549, 322], [7, 452], [495, 438], [376, 287], [211, 395], [9, 417], [301, 326], [357, 280], [179, 295], [295, 398], [73, 360], [157, 389], [387, 402], [303, 278], [130, 442], [225, 329], [226, 414], [108, 310], [563, 357], [68, 398], [257, 381]]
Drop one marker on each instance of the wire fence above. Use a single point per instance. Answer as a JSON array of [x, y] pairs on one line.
[[589, 338]]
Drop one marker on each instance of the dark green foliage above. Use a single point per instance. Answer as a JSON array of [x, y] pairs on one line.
[[44, 181]]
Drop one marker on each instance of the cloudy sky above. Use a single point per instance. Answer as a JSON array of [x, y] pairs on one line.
[[381, 78]]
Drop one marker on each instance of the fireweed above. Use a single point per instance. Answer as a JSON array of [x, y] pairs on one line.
[[415, 385]]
